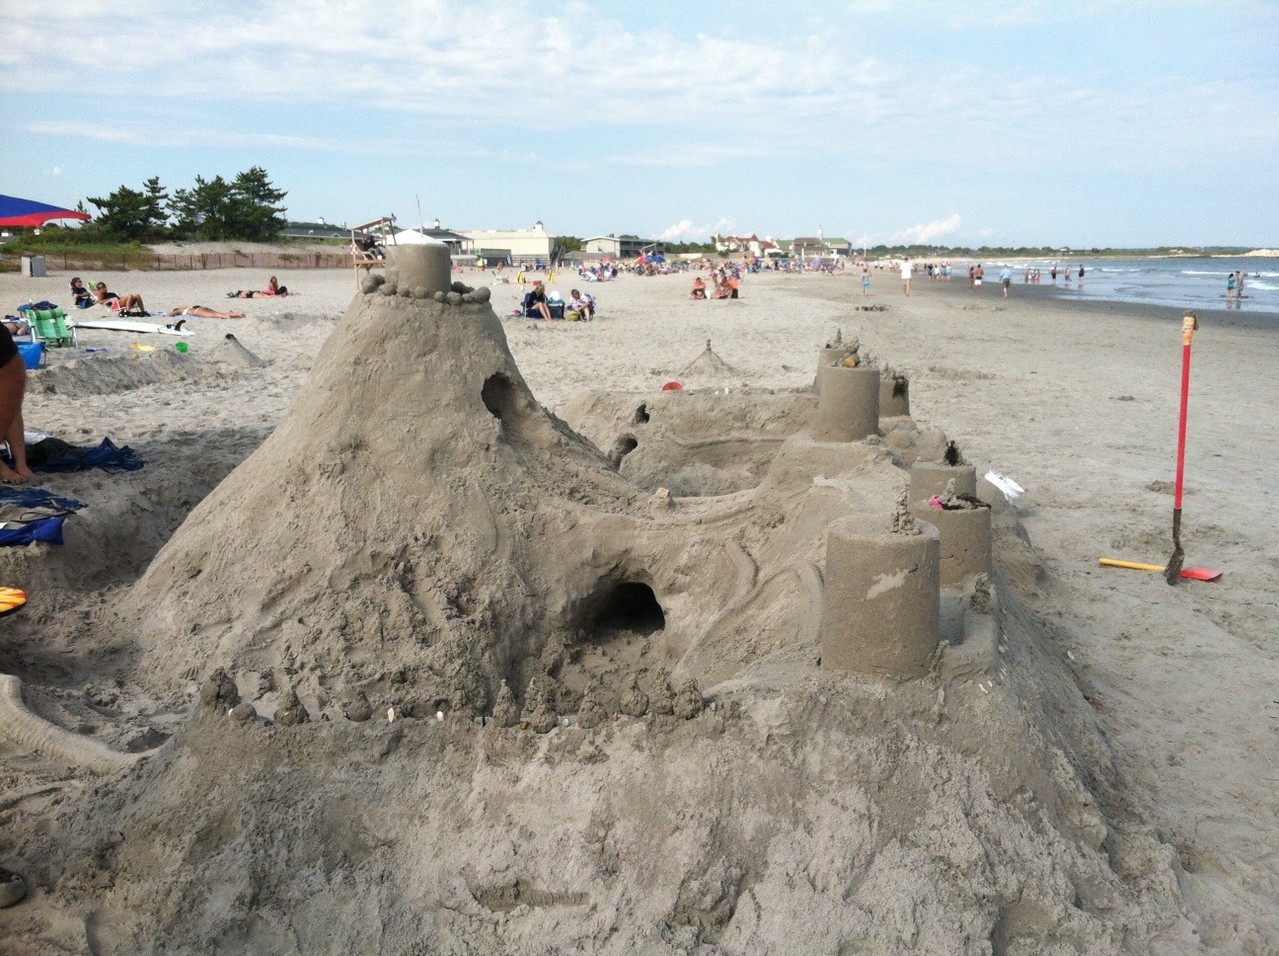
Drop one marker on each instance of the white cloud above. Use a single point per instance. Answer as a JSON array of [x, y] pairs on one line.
[[686, 231], [929, 232]]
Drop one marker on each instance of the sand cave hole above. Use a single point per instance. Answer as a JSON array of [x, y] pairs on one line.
[[641, 415], [498, 395], [621, 448], [630, 606]]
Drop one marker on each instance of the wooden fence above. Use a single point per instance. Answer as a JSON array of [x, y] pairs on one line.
[[267, 261]]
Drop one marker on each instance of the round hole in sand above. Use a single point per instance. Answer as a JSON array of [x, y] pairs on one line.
[[621, 448], [498, 395], [629, 607]]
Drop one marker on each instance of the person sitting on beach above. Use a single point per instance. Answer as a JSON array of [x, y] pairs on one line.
[[535, 301], [129, 302], [272, 288], [699, 289], [201, 312], [83, 297], [583, 303], [13, 387]]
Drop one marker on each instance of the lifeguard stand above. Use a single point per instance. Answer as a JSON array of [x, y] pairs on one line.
[[361, 259]]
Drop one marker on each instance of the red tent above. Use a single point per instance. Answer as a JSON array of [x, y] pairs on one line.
[[24, 212]]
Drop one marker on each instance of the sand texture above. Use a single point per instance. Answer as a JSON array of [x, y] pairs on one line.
[[430, 630]]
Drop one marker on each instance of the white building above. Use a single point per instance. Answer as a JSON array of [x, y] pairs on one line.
[[535, 243]]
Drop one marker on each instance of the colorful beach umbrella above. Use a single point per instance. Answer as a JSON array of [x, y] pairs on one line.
[[26, 213]]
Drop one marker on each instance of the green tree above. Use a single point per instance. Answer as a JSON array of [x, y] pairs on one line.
[[217, 210], [130, 214], [257, 212]]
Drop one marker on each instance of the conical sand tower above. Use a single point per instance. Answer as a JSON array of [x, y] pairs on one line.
[[387, 524]]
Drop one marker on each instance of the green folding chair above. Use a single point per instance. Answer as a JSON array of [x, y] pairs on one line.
[[50, 327]]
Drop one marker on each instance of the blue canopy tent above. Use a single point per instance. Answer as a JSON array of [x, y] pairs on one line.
[[26, 213]]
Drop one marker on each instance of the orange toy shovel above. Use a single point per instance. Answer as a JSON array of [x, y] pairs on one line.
[[1195, 574]]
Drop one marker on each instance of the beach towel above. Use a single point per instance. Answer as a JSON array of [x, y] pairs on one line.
[[41, 529], [33, 514], [55, 455]]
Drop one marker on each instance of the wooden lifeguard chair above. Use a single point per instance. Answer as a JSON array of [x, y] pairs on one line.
[[362, 259]]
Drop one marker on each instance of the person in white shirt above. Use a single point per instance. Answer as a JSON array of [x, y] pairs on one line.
[[906, 275]]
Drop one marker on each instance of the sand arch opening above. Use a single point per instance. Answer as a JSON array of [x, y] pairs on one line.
[[621, 448], [498, 395], [627, 607]]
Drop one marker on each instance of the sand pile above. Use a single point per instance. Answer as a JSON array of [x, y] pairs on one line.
[[462, 681]]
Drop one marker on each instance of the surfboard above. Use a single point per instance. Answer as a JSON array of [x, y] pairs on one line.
[[125, 325], [11, 599]]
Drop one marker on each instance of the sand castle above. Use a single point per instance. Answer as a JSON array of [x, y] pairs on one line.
[[436, 634], [419, 491]]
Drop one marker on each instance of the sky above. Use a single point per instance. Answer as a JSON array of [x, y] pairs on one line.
[[1081, 124]]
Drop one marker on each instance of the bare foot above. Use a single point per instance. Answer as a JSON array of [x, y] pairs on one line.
[[25, 473], [10, 477]]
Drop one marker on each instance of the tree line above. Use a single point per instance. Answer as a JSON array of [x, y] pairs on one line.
[[247, 209]]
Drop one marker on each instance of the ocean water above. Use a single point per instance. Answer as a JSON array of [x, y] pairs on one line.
[[1179, 283]]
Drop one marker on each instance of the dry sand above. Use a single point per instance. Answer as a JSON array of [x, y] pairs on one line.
[[1103, 782]]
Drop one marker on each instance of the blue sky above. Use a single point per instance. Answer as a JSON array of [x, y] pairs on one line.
[[971, 123]]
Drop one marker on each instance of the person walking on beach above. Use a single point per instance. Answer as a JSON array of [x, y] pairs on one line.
[[1053, 272], [1081, 277], [978, 274], [865, 279], [1239, 289], [1006, 278], [906, 275], [1230, 289]]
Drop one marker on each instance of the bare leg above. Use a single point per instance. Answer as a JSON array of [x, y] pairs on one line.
[[13, 384]]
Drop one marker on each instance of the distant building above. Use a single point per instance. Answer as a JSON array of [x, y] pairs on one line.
[[454, 240], [511, 244], [751, 245], [314, 230], [819, 247], [625, 247]]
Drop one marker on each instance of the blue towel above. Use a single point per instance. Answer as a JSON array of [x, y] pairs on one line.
[[107, 456], [42, 529], [37, 498]]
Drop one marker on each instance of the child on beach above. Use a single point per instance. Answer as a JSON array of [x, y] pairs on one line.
[[865, 280]]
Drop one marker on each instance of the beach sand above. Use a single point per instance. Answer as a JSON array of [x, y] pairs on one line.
[[1175, 734]]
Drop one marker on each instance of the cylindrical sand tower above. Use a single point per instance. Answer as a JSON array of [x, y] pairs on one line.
[[881, 600], [427, 266], [847, 403], [928, 478], [965, 540], [894, 395]]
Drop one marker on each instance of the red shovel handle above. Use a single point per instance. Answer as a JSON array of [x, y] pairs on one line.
[[1189, 324]]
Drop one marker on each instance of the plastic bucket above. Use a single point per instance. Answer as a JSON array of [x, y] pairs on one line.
[[32, 353]]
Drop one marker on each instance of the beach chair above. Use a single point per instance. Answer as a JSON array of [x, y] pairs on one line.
[[50, 327]]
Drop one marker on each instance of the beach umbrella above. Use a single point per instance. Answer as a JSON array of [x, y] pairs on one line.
[[27, 213]]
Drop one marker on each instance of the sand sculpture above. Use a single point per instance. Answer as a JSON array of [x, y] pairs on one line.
[[467, 623]]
